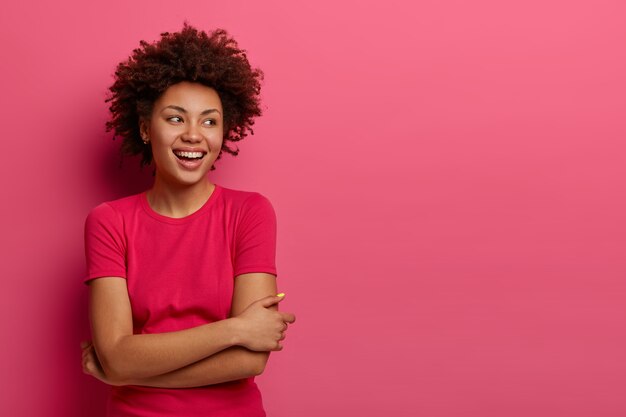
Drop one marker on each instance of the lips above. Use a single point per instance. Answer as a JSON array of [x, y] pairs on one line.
[[189, 155], [189, 158]]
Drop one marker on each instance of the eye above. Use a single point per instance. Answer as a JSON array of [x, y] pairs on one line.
[[175, 119], [209, 122]]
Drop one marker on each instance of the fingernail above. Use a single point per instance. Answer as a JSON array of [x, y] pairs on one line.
[[282, 294]]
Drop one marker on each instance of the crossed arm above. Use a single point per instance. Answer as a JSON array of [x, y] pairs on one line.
[[231, 349]]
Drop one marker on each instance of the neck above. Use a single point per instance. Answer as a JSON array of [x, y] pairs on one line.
[[178, 201]]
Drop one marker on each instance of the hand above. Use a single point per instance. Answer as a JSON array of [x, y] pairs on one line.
[[91, 364], [261, 328]]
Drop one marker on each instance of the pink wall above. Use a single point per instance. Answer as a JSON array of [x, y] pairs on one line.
[[449, 181]]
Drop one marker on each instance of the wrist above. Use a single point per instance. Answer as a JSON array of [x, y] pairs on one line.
[[234, 331]]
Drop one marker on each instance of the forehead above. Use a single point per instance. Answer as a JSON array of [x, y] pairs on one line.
[[190, 96]]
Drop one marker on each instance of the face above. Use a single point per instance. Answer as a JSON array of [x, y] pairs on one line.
[[185, 131]]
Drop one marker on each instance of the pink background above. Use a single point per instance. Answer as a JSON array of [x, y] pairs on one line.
[[449, 181]]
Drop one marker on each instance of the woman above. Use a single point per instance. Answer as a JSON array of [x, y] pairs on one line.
[[182, 277]]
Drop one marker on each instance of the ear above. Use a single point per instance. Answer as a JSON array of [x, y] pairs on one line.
[[144, 128]]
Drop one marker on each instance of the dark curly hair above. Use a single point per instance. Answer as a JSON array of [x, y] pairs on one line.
[[214, 60]]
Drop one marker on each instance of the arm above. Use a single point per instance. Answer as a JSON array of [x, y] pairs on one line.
[[227, 365], [128, 357], [124, 355], [234, 363]]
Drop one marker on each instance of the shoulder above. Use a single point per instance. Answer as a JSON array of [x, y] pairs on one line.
[[113, 212], [251, 211], [244, 201]]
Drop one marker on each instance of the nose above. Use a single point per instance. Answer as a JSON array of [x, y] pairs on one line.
[[192, 134]]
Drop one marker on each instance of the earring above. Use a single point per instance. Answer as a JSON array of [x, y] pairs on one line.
[[145, 141]]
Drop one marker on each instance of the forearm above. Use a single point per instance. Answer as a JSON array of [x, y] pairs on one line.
[[228, 365], [146, 355]]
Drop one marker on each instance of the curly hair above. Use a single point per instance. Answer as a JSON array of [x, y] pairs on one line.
[[214, 60]]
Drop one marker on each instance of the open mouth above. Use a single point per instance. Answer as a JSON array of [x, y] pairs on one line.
[[189, 156]]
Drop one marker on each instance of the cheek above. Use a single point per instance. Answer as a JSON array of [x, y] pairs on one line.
[[215, 142], [160, 152]]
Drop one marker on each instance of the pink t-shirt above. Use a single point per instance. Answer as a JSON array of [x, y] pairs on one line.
[[180, 274]]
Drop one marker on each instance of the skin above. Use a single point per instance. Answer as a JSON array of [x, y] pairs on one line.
[[187, 115]]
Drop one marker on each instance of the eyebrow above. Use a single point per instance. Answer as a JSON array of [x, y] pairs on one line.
[[182, 110]]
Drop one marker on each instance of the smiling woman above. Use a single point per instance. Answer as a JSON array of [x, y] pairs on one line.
[[185, 132], [182, 277]]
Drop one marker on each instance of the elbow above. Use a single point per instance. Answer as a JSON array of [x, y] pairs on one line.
[[114, 368], [116, 376], [113, 371], [257, 363]]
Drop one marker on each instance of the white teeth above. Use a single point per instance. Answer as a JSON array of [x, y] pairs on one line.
[[189, 154]]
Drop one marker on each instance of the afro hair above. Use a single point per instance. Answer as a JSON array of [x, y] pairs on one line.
[[214, 60]]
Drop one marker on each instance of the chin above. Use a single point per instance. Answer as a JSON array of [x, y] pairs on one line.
[[191, 181]]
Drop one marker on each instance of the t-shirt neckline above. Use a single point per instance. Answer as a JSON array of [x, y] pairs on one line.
[[179, 220]]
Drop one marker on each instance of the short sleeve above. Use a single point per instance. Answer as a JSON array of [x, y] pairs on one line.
[[255, 237], [105, 249]]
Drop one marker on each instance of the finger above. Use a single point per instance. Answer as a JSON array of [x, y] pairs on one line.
[[86, 352], [271, 300], [288, 317], [89, 367]]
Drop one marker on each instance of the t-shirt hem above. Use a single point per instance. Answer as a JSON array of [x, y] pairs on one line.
[[115, 274], [250, 269]]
